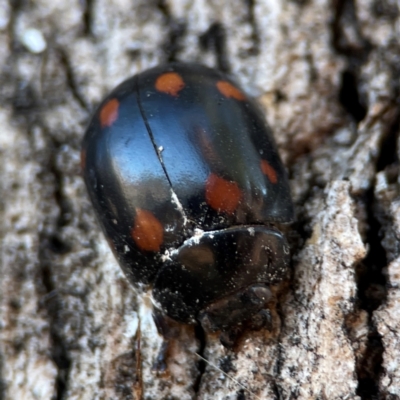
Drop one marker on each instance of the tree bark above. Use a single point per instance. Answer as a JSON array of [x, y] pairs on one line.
[[327, 75]]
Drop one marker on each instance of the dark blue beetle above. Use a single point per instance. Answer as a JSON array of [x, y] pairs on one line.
[[189, 189]]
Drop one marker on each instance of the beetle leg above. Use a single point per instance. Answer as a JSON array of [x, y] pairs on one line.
[[263, 319], [168, 329], [229, 337], [160, 364]]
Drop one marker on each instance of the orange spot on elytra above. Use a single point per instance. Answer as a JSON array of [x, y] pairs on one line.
[[268, 171], [109, 113], [83, 159], [228, 90], [148, 232], [170, 83], [222, 195]]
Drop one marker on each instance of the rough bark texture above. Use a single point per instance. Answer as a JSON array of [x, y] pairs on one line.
[[327, 74]]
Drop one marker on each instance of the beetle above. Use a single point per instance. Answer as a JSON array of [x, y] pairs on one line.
[[188, 186]]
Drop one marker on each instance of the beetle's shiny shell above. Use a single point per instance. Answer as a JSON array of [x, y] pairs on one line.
[[178, 148]]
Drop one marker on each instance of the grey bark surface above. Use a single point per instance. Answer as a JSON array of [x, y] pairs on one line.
[[327, 75]]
